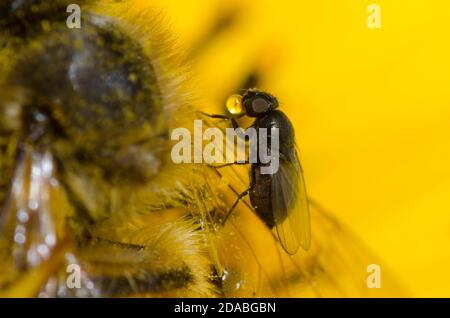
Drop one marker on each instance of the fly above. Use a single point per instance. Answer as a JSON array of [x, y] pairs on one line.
[[278, 197]]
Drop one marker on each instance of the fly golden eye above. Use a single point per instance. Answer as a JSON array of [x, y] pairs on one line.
[[234, 104]]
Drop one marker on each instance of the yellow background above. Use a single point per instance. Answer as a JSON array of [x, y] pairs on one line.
[[371, 109]]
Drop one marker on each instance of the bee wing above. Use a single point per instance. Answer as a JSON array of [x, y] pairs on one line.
[[290, 205], [26, 220]]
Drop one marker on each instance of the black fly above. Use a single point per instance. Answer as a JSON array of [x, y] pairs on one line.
[[279, 198]]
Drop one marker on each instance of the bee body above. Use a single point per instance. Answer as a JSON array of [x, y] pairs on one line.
[[84, 162]]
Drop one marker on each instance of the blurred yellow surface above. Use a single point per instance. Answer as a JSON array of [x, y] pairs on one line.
[[371, 109]]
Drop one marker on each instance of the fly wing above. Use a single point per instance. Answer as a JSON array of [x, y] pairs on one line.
[[334, 266], [290, 205]]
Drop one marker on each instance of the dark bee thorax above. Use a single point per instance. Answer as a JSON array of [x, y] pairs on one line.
[[85, 87]]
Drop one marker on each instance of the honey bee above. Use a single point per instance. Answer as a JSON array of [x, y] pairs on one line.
[[84, 148], [87, 185]]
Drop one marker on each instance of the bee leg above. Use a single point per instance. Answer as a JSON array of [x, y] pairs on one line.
[[161, 259], [239, 199]]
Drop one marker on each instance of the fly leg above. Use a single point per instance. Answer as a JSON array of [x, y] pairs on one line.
[[239, 199], [246, 162], [239, 131], [217, 116]]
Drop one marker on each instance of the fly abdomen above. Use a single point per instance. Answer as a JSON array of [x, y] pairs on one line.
[[260, 195]]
